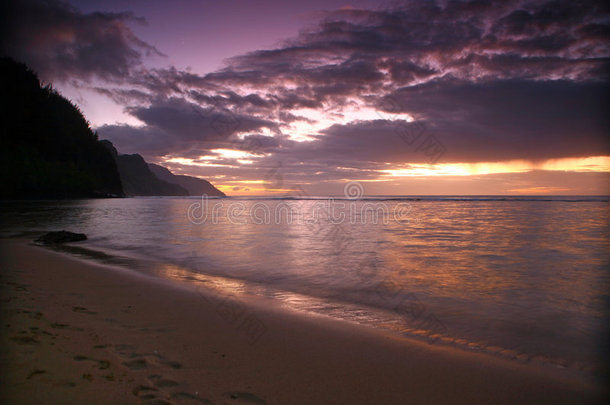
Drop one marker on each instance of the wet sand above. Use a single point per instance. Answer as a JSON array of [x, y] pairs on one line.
[[76, 332]]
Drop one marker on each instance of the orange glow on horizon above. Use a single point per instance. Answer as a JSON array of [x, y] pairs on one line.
[[538, 190], [232, 186], [588, 164]]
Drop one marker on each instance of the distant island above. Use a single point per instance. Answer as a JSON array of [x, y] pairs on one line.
[[48, 150]]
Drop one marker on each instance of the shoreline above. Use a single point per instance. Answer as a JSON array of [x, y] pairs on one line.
[[214, 285], [82, 330]]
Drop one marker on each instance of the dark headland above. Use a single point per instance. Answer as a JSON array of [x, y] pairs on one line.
[[48, 150]]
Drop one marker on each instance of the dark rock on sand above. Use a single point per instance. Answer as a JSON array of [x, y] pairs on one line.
[[61, 237]]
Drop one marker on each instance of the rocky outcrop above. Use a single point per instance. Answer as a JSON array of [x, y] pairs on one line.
[[60, 237]]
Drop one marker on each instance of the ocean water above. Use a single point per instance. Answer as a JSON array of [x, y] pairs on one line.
[[524, 278]]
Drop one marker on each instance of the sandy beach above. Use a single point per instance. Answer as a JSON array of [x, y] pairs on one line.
[[76, 332]]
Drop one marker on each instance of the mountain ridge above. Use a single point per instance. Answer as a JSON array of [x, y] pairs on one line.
[[193, 185], [48, 149], [140, 178]]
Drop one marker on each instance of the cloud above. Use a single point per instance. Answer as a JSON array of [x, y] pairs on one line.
[[355, 52], [176, 126], [488, 81], [512, 119], [61, 43], [522, 81], [462, 39]]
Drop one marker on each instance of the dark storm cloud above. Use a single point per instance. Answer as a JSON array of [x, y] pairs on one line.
[[425, 38], [513, 119], [521, 81], [230, 99], [474, 122], [491, 80], [353, 48], [60, 42], [174, 125], [124, 96], [131, 139]]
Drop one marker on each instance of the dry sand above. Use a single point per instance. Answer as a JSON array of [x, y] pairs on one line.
[[76, 332]]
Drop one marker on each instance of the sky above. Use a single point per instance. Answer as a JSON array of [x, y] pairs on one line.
[[406, 98]]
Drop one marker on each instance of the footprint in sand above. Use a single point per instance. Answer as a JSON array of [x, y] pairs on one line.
[[65, 383], [101, 364], [142, 360], [165, 383], [56, 325], [34, 373], [122, 348], [160, 389], [38, 331], [83, 310], [185, 395], [139, 364], [146, 393], [172, 364], [25, 340], [157, 392], [17, 286], [143, 390], [245, 398]]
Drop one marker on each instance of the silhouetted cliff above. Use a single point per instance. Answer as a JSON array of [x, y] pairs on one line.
[[194, 185], [146, 179], [47, 149], [139, 180]]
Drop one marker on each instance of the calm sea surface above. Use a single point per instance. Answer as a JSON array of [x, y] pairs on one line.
[[525, 278]]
